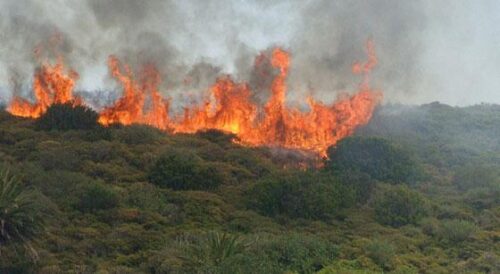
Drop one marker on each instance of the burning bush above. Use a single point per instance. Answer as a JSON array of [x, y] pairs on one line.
[[67, 116]]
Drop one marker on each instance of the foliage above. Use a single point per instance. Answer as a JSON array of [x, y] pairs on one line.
[[23, 212], [97, 197], [123, 207], [399, 205], [381, 252], [212, 251], [298, 253], [183, 170], [138, 134], [477, 176], [377, 157], [309, 195], [67, 116], [454, 231]]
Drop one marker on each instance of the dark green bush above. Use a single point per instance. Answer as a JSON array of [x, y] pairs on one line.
[[97, 197], [138, 134], [399, 205], [299, 195], [67, 116], [377, 157], [183, 170]]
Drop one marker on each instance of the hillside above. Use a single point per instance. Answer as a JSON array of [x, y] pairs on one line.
[[417, 190]]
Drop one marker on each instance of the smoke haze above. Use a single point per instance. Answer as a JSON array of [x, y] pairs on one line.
[[427, 51]]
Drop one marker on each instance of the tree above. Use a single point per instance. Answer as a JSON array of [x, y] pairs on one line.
[[23, 212], [399, 205], [68, 116]]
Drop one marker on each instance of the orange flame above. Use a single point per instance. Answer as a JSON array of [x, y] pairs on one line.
[[51, 84], [131, 107], [229, 108]]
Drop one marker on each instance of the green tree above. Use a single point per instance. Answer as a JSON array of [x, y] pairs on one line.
[[67, 116], [399, 205]]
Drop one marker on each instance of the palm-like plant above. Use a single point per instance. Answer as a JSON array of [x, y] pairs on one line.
[[22, 212], [213, 249]]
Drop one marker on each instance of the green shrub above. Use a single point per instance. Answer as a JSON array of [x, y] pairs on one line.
[[477, 176], [454, 231], [398, 205], [299, 195], [212, 251], [296, 253], [67, 116], [138, 134], [381, 252], [377, 157], [183, 170], [97, 197]]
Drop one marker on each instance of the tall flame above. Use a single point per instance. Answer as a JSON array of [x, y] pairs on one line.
[[229, 108], [52, 84]]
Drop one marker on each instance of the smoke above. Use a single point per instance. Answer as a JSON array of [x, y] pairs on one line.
[[427, 51]]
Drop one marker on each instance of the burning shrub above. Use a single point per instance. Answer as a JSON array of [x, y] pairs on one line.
[[376, 157], [397, 206], [216, 136], [183, 170], [67, 116]]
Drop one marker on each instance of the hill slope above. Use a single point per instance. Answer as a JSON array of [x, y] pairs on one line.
[[415, 191]]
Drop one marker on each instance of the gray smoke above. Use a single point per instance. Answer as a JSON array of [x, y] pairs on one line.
[[427, 51]]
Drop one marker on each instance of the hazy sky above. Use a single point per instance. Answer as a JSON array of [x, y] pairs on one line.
[[428, 50]]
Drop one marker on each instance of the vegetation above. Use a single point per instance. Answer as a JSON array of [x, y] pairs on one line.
[[398, 206], [414, 191], [23, 215], [68, 116]]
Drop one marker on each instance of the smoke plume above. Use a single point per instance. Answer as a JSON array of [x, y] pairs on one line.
[[427, 51]]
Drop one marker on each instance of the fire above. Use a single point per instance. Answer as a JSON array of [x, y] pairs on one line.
[[52, 84], [130, 108], [229, 107]]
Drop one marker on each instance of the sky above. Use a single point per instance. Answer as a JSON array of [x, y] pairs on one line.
[[447, 51]]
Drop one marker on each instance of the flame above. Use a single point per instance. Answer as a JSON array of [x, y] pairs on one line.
[[52, 84], [132, 106], [228, 108]]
